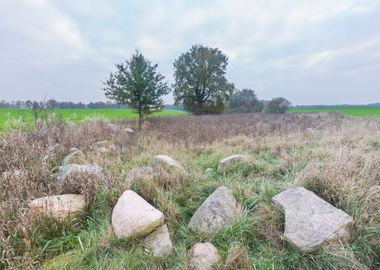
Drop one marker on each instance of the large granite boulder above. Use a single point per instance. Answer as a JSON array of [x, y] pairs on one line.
[[71, 170], [219, 209], [231, 160], [203, 256], [75, 157], [133, 216], [167, 162], [58, 206], [310, 221], [159, 242]]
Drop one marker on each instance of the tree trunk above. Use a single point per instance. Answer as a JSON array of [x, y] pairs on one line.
[[141, 120]]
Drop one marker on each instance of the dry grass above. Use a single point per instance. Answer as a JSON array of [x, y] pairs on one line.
[[335, 156]]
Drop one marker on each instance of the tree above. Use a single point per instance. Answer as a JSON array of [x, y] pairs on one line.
[[200, 82], [245, 101], [278, 105], [138, 84]]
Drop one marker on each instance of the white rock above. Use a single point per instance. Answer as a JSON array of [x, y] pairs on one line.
[[133, 216], [219, 209], [166, 161], [203, 256], [232, 160], [76, 169], [310, 221], [159, 242], [209, 171], [58, 206], [129, 130]]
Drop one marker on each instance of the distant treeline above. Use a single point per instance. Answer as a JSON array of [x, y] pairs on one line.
[[53, 104]]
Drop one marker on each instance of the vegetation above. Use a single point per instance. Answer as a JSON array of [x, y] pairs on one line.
[[200, 82], [364, 111], [19, 117], [337, 158], [245, 101], [278, 105], [137, 83]]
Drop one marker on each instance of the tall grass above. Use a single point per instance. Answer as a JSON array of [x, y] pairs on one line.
[[336, 157]]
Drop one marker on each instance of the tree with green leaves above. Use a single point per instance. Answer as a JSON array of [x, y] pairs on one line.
[[245, 101], [200, 82], [138, 84], [278, 105]]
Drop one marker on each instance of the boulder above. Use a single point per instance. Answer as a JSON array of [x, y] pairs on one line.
[[167, 162], [140, 173], [310, 221], [237, 258], [75, 157], [76, 169], [203, 256], [133, 216], [219, 209], [159, 242], [58, 206], [231, 160]]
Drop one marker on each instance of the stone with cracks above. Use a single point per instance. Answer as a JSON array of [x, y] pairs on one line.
[[219, 209], [159, 242], [203, 256], [133, 216], [232, 160], [310, 221], [58, 206], [169, 162], [77, 169]]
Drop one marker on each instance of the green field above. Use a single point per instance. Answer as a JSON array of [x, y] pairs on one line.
[[364, 111], [78, 114]]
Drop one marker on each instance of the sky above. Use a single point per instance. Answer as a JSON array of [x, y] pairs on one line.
[[311, 52]]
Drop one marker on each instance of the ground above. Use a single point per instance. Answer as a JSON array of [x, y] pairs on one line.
[[363, 111], [334, 156]]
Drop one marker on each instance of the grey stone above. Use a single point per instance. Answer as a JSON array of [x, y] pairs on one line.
[[232, 160], [159, 242], [58, 206], [76, 169], [168, 162], [219, 209], [203, 256], [75, 157], [310, 221], [133, 216]]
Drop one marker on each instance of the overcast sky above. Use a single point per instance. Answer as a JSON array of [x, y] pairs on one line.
[[311, 52]]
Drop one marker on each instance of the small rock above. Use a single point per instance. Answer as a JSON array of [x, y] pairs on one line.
[[310, 221], [75, 157], [219, 209], [203, 256], [166, 161], [76, 169], [129, 130], [209, 170], [159, 242], [237, 258], [232, 160], [133, 216], [58, 206], [140, 173], [14, 174]]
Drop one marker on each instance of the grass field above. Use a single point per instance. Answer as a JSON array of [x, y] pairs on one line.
[[364, 111], [80, 114]]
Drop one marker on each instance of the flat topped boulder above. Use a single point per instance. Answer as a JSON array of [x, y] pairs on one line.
[[70, 170], [203, 256], [169, 162], [231, 160], [159, 242], [219, 209], [310, 221], [58, 206], [133, 216]]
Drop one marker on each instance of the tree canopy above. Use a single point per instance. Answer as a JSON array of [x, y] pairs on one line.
[[138, 84], [245, 101], [278, 105], [200, 82]]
